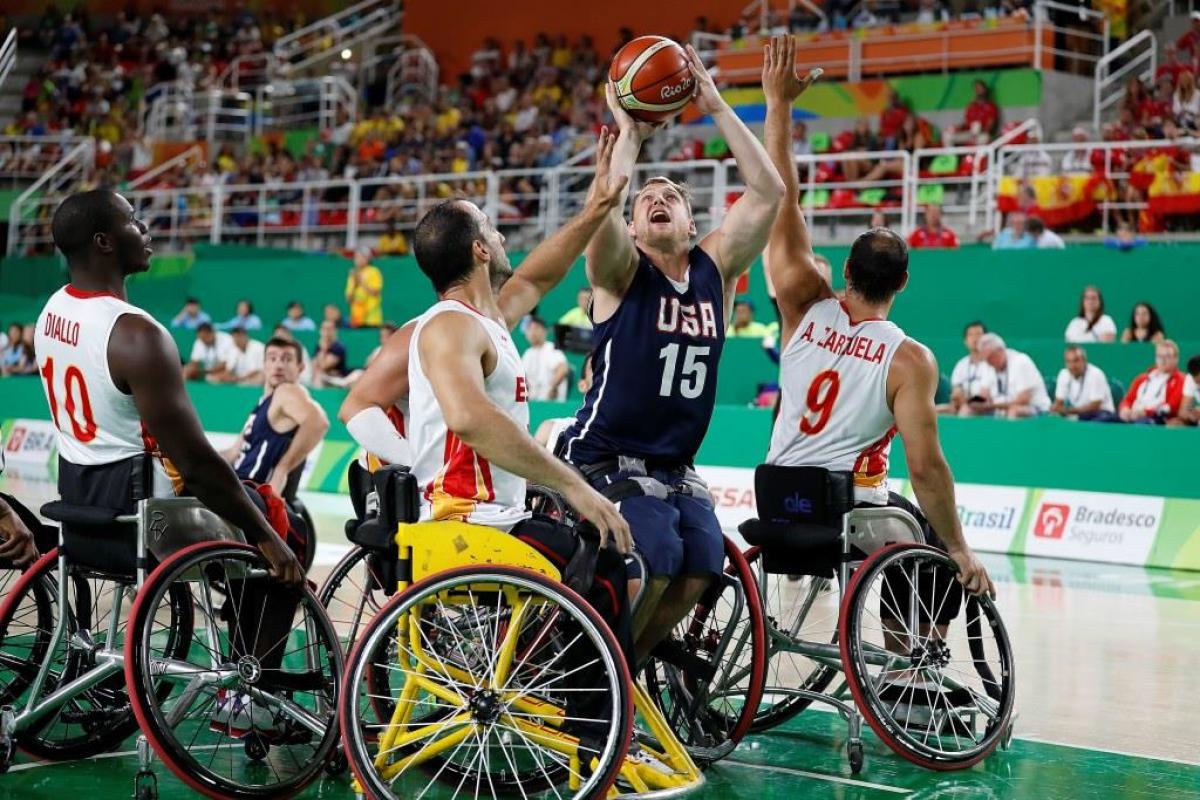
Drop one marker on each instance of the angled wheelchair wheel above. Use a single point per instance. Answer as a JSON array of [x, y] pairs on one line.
[[930, 670], [501, 682], [28, 612], [248, 709], [801, 617], [708, 677], [353, 593]]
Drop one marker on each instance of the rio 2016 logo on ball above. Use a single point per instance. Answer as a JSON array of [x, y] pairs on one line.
[[653, 78]]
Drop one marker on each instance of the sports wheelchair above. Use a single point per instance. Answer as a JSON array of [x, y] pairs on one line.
[[95, 649], [485, 673], [933, 675]]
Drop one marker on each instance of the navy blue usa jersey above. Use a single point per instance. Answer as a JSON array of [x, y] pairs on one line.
[[654, 364], [262, 445]]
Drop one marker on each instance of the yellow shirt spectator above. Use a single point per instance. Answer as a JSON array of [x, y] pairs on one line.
[[364, 293], [752, 330], [393, 243]]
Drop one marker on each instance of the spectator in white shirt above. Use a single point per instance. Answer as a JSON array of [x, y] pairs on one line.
[[1078, 161], [208, 353], [545, 365], [1035, 162], [1020, 390], [972, 376], [243, 361], [1082, 389], [1043, 237], [1091, 324]]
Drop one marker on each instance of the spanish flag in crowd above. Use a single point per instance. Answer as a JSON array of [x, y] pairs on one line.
[[1058, 200], [1169, 190]]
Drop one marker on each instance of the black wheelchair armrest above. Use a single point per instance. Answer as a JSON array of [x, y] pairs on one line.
[[70, 514], [790, 535]]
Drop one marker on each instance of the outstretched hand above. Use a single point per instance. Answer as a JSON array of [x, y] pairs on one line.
[[708, 98], [626, 124], [779, 80], [606, 192]]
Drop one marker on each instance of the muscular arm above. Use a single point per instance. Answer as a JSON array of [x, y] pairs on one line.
[[297, 405], [453, 349], [144, 361], [743, 233], [611, 256], [383, 384], [789, 256], [916, 376]]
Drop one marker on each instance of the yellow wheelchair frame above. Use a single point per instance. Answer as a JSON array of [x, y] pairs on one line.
[[429, 548]]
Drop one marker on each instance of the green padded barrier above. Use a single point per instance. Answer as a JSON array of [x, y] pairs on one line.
[[821, 141], [817, 198], [931, 193], [716, 148], [944, 165], [872, 197]]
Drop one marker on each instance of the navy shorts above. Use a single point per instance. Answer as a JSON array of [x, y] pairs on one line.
[[676, 536]]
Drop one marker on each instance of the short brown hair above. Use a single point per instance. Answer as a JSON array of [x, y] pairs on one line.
[[682, 188], [286, 344]]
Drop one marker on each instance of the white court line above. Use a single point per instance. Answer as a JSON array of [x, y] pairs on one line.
[[816, 776], [101, 757], [1126, 753]]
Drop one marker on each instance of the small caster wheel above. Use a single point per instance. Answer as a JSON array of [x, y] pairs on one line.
[[256, 747], [337, 764], [145, 786], [855, 751]]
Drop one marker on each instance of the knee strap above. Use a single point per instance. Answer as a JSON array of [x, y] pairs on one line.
[[635, 486]]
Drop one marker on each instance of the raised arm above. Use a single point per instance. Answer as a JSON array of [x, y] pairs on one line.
[[611, 256], [789, 257], [912, 383], [551, 260], [311, 426], [143, 360], [383, 384], [743, 233], [453, 349]]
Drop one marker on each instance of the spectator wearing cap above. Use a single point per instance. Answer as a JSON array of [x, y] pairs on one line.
[[1020, 390], [191, 316], [1043, 237], [744, 325], [364, 292], [1014, 236], [933, 233], [1162, 395], [1079, 160], [1082, 389]]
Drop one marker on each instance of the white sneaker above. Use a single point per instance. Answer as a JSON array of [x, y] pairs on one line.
[[238, 714]]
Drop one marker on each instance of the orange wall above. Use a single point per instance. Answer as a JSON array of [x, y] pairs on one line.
[[455, 30]]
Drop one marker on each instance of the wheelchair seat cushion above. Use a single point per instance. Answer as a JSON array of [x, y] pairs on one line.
[[83, 516]]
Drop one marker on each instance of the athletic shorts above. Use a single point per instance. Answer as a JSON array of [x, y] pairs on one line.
[[676, 536]]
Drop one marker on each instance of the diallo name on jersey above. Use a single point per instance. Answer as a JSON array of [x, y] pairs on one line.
[[861, 347], [62, 329]]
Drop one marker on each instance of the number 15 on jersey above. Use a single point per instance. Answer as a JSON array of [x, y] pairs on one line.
[[692, 373]]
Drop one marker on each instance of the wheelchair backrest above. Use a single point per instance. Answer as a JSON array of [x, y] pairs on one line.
[[358, 480], [809, 495], [399, 498]]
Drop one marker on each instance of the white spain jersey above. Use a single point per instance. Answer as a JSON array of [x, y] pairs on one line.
[[456, 482], [97, 422], [833, 409]]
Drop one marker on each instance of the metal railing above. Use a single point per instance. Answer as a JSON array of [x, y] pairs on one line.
[[1091, 46], [26, 158], [1137, 57], [8, 54], [191, 158], [322, 102], [329, 35], [980, 182], [216, 116], [415, 71], [31, 211]]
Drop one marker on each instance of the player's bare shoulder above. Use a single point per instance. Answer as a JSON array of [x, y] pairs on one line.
[[913, 365]]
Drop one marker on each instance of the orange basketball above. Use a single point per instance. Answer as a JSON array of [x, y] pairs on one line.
[[652, 77]]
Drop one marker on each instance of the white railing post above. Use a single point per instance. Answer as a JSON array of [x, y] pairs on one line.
[[355, 202], [719, 190], [218, 214], [492, 203]]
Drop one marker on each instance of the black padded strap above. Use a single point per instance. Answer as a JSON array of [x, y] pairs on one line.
[[70, 514]]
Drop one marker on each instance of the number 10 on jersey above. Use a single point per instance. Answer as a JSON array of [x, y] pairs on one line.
[[692, 373]]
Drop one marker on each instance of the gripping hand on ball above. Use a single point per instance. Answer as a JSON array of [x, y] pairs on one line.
[[607, 191], [708, 98], [779, 80], [640, 131]]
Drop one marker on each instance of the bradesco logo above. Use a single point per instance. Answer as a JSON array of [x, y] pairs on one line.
[[1089, 525], [1052, 520]]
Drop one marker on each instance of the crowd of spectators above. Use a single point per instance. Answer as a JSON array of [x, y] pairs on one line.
[[994, 379]]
